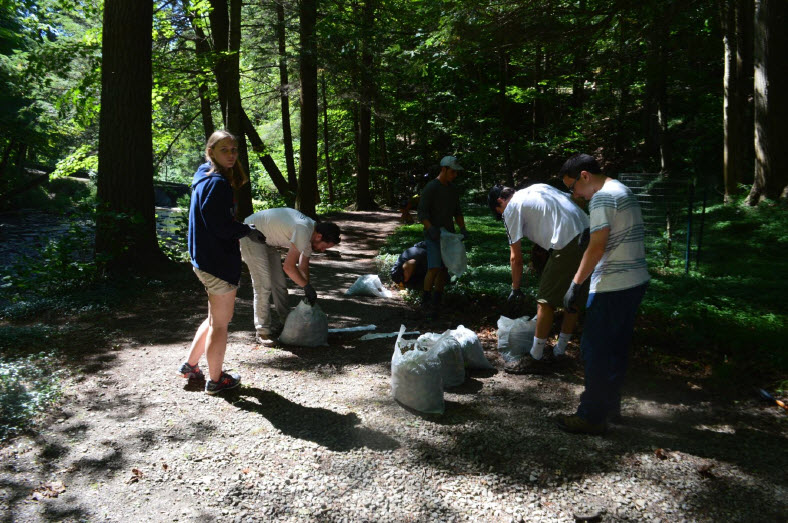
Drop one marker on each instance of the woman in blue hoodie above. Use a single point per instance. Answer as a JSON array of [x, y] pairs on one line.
[[216, 255]]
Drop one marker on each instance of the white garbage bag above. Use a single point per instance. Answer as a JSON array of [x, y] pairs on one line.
[[449, 352], [368, 285], [416, 378], [472, 351], [515, 337], [453, 252], [306, 325]]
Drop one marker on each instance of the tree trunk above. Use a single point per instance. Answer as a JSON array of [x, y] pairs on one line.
[[203, 48], [326, 141], [737, 90], [125, 221], [226, 29], [656, 94], [536, 106], [579, 68], [268, 163], [364, 201], [771, 104], [284, 86], [307, 179], [503, 115]]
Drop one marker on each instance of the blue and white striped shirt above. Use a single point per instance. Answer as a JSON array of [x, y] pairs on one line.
[[623, 265]]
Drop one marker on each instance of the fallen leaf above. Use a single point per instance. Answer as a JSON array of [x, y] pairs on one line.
[[49, 490], [136, 475], [705, 470]]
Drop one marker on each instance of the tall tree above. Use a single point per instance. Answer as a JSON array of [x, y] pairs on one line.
[[125, 223], [306, 199], [226, 29], [737, 92], [329, 179], [284, 96], [364, 199], [771, 104]]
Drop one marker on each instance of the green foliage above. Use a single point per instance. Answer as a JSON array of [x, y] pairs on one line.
[[83, 159], [28, 384]]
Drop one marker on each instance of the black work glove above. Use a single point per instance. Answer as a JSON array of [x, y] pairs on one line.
[[255, 235], [570, 298], [434, 233], [464, 233], [310, 294], [515, 297], [584, 238]]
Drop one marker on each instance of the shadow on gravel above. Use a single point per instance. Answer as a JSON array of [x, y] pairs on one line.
[[337, 432]]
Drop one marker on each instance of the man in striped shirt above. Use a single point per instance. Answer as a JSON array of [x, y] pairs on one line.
[[615, 260]]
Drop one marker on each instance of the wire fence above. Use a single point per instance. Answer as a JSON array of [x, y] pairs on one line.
[[674, 216]]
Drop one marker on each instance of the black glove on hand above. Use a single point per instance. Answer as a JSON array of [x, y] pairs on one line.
[[570, 298], [464, 233], [516, 296], [255, 235], [310, 294], [434, 233], [585, 237]]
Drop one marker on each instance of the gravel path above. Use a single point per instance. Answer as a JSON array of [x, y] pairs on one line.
[[313, 435]]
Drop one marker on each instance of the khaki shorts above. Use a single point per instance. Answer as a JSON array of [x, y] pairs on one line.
[[558, 272], [214, 285]]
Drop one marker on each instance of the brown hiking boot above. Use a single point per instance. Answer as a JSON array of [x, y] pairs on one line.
[[577, 425]]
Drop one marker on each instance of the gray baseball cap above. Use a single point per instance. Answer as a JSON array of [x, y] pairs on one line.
[[452, 163]]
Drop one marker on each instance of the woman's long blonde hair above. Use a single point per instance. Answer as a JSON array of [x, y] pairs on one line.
[[236, 175]]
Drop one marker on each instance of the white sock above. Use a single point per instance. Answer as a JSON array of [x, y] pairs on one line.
[[537, 350], [563, 341]]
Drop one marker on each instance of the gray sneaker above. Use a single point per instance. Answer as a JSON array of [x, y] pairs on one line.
[[226, 382], [191, 372]]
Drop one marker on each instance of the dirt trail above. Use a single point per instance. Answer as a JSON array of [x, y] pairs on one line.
[[313, 435]]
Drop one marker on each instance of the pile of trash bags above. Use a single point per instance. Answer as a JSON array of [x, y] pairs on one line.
[[422, 368]]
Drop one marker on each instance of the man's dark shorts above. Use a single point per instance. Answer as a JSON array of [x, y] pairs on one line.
[[558, 273]]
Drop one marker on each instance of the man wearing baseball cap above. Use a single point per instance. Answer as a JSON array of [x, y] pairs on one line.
[[439, 207]]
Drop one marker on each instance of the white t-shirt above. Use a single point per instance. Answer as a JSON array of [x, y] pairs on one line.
[[623, 265], [283, 226], [546, 216]]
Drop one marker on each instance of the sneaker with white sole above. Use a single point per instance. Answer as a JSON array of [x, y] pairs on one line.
[[227, 381]]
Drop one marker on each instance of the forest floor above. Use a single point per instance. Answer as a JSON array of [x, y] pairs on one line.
[[314, 435]]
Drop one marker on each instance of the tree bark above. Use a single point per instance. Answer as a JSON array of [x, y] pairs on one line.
[[503, 115], [771, 104], [737, 91], [203, 48], [326, 141], [226, 29], [364, 201], [284, 86], [268, 162], [307, 179], [125, 222]]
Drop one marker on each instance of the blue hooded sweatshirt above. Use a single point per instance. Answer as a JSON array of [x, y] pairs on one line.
[[213, 231]]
